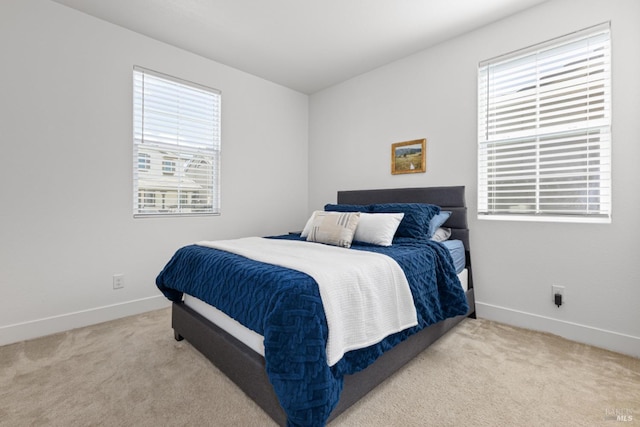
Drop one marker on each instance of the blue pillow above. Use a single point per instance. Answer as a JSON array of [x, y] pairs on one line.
[[437, 221], [417, 217], [346, 208]]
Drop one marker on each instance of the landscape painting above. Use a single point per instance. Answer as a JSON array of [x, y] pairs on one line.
[[409, 156]]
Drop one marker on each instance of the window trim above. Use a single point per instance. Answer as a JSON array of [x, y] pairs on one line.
[[184, 135], [539, 136]]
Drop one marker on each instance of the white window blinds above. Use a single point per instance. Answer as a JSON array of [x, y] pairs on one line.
[[544, 123], [176, 146]]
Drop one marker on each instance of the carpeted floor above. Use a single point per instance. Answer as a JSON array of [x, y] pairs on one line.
[[131, 372]]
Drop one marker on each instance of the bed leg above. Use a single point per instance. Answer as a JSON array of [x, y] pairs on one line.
[[177, 336]]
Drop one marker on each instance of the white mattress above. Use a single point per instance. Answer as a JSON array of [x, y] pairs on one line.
[[250, 338]]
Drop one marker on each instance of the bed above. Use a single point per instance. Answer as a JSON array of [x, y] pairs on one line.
[[235, 356]]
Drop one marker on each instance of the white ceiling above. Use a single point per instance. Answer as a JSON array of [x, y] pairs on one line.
[[306, 45]]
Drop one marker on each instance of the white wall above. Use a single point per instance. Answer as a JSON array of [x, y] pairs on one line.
[[66, 221], [433, 95]]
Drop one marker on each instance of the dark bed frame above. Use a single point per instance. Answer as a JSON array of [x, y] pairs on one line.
[[246, 368]]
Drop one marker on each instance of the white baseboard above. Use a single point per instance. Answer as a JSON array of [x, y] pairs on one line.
[[614, 341], [65, 322]]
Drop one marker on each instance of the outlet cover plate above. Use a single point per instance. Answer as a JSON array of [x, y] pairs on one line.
[[118, 281]]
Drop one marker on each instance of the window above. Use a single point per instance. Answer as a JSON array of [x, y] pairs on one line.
[[148, 200], [168, 167], [176, 146], [544, 131], [144, 161]]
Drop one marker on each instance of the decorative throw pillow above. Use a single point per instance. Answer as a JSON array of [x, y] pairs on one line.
[[307, 227], [416, 217], [333, 228], [377, 229], [437, 221]]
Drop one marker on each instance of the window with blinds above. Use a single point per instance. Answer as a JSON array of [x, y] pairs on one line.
[[176, 146], [544, 124]]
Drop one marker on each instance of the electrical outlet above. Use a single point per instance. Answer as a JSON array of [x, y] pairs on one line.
[[118, 281], [555, 289]]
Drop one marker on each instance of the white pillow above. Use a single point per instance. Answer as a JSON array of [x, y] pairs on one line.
[[378, 228], [441, 234], [333, 228]]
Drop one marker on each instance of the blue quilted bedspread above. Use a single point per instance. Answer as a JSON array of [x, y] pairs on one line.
[[285, 307]]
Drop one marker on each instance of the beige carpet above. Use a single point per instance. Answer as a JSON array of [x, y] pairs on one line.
[[131, 372]]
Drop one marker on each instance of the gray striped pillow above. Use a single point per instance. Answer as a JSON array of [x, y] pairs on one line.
[[333, 228]]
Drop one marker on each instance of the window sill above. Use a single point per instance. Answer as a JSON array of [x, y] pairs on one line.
[[534, 218]]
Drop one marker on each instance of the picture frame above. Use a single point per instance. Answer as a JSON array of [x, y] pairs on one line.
[[409, 157]]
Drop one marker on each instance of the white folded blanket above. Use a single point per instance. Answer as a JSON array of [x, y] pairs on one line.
[[366, 296]]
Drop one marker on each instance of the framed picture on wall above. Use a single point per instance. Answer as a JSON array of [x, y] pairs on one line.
[[409, 156]]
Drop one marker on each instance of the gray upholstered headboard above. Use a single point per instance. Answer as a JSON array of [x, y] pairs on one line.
[[448, 198]]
